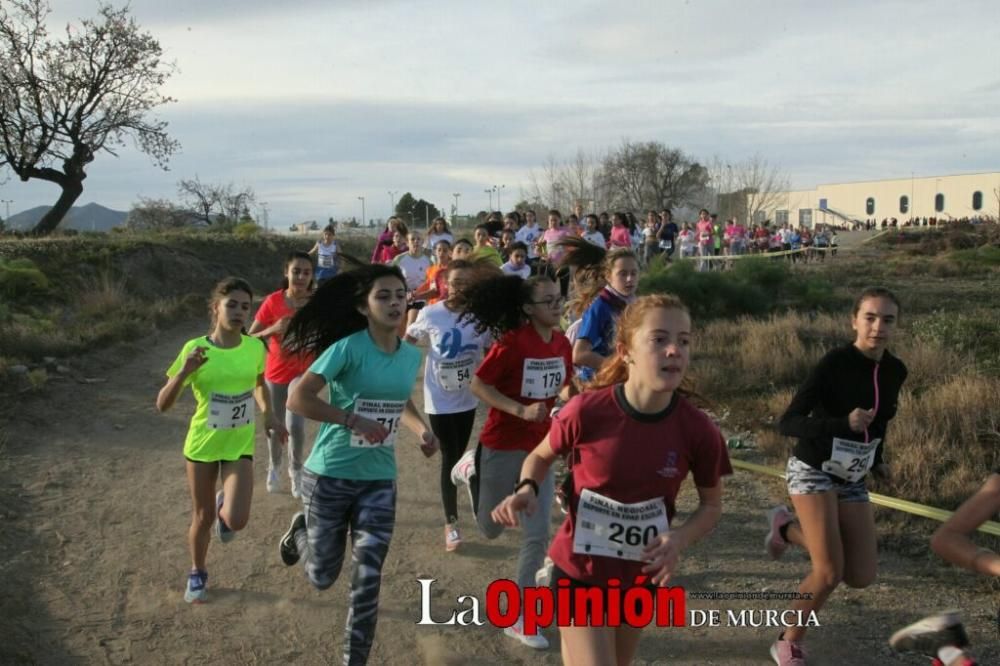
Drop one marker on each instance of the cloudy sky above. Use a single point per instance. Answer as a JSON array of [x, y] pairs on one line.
[[314, 104]]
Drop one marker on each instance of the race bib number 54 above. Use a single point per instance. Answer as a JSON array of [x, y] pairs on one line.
[[542, 378], [386, 412], [613, 529]]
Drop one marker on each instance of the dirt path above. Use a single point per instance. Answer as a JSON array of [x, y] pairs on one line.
[[93, 559]]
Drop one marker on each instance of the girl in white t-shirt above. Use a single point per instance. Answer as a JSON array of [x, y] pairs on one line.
[[454, 351], [326, 249], [414, 263], [439, 231]]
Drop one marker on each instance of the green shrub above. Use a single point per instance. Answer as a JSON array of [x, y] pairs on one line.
[[246, 229], [20, 278], [754, 287]]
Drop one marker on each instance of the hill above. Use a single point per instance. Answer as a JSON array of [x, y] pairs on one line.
[[92, 217]]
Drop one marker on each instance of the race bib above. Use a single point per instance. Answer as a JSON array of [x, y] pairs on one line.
[[851, 460], [666, 245], [386, 412], [226, 412], [456, 374], [612, 529], [325, 261], [542, 378]]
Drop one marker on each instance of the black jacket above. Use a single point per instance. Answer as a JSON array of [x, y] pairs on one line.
[[843, 380]]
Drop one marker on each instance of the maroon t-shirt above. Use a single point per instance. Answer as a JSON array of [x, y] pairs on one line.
[[525, 368], [630, 457]]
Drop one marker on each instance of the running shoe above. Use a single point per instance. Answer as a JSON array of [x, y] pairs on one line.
[[288, 548], [296, 484], [221, 529], [536, 642], [452, 538], [273, 484], [774, 543], [543, 577], [930, 634], [788, 653], [195, 592], [465, 468]]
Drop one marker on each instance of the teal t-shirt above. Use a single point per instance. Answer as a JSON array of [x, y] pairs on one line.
[[373, 384]]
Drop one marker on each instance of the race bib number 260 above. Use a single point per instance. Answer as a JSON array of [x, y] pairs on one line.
[[613, 529]]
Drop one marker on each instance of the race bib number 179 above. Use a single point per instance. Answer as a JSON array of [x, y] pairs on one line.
[[542, 378]]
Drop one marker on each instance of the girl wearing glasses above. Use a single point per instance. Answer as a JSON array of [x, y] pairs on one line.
[[519, 379]]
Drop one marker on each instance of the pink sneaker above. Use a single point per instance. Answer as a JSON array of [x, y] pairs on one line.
[[777, 518], [788, 653]]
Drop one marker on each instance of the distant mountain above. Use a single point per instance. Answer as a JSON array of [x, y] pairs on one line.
[[92, 217]]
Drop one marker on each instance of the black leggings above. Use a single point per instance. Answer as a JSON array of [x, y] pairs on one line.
[[453, 432]]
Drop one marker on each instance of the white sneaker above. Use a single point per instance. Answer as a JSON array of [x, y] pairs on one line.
[[296, 484], [465, 468], [543, 577], [273, 484], [536, 642]]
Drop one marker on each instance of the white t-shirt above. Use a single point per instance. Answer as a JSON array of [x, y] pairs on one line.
[[528, 236], [595, 237], [326, 255], [414, 268], [432, 240], [453, 355], [523, 271]]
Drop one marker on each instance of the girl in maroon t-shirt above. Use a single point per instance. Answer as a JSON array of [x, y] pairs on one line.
[[633, 438], [523, 373], [282, 369]]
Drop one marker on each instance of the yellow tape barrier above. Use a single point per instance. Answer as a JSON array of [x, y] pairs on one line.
[[757, 255], [989, 527]]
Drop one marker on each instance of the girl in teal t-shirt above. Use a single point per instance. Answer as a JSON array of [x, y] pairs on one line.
[[225, 370], [349, 480]]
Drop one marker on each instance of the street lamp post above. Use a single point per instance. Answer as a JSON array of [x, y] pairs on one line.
[[456, 195], [392, 202], [490, 192], [499, 190], [557, 194], [364, 221]]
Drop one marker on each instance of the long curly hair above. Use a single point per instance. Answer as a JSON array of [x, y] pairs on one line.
[[495, 302]]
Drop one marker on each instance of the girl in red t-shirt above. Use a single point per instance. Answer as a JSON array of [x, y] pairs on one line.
[[633, 437], [525, 370], [282, 370]]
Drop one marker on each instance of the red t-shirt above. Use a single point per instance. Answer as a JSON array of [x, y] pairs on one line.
[[630, 457], [524, 368], [280, 367]]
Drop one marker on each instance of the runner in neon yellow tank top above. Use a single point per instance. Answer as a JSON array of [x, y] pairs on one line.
[[225, 370]]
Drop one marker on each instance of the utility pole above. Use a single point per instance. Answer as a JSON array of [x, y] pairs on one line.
[[499, 190], [364, 221], [265, 213], [392, 202], [456, 195]]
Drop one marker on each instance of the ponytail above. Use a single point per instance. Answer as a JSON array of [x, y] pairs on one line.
[[495, 303]]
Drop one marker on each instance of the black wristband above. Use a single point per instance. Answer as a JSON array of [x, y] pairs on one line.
[[527, 482]]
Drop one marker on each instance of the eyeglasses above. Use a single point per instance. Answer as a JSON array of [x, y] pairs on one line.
[[550, 302]]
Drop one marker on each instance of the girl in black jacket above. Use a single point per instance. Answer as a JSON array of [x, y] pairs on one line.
[[840, 417]]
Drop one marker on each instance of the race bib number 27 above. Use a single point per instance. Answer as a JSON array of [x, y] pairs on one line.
[[226, 412]]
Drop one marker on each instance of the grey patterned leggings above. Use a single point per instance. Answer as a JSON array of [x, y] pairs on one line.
[[368, 510], [295, 424]]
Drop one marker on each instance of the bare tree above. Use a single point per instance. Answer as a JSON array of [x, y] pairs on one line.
[[762, 184], [211, 202], [64, 101], [651, 175], [560, 185], [156, 215]]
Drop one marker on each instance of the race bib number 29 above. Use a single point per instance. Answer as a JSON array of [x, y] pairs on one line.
[[851, 460], [542, 378], [386, 412]]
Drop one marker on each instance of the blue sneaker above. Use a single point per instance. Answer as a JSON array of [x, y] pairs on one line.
[[221, 529], [195, 592]]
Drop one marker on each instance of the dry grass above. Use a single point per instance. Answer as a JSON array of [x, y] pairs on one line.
[[104, 295]]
